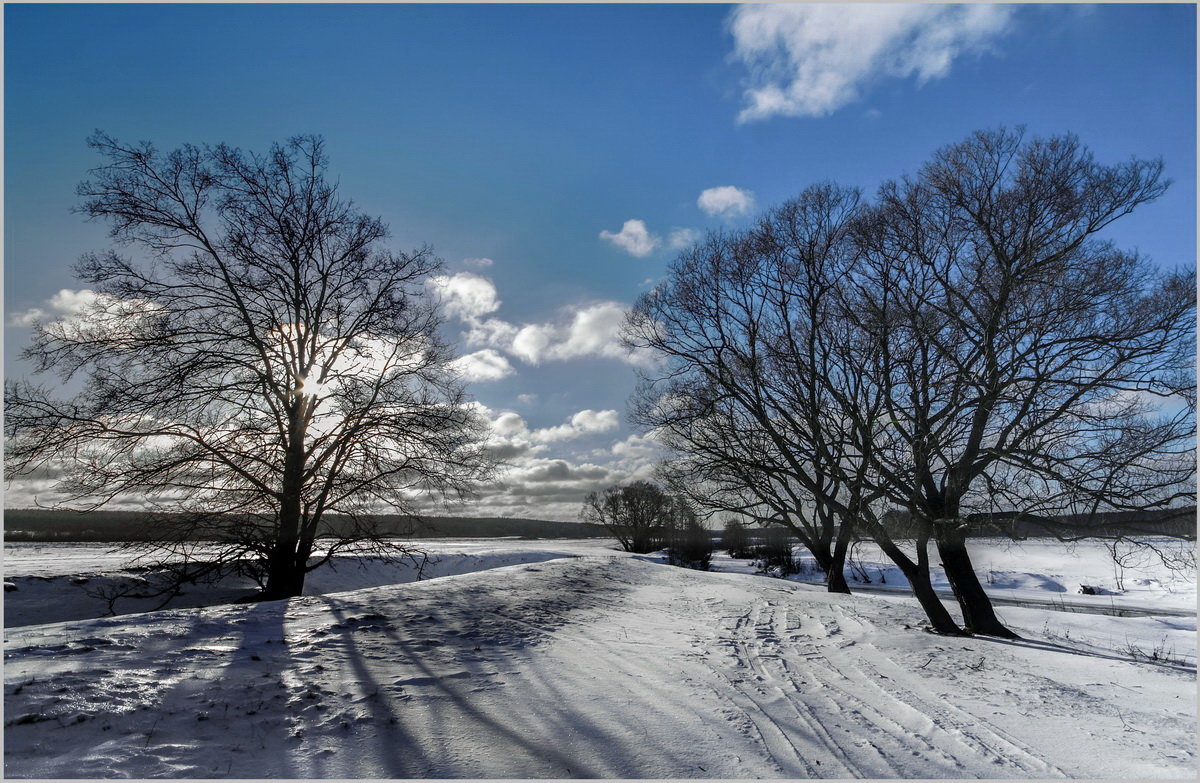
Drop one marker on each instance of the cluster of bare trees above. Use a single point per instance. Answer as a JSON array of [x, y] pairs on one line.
[[965, 342], [260, 362], [640, 515]]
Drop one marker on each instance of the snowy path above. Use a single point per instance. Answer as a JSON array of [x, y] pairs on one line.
[[587, 667]]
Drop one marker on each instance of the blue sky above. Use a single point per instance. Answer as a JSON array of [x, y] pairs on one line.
[[519, 134]]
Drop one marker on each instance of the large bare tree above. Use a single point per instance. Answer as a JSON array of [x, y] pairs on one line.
[[746, 324], [261, 363], [965, 344], [1017, 348]]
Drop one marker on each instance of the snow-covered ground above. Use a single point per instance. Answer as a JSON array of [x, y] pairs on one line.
[[606, 665], [55, 582]]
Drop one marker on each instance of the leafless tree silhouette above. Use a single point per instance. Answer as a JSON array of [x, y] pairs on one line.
[[1017, 348], [965, 344], [263, 364], [641, 516]]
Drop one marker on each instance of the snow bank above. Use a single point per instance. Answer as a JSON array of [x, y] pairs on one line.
[[594, 666], [53, 583], [1033, 569]]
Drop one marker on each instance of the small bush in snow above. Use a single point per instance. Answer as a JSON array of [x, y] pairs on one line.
[[735, 540], [691, 546], [774, 554]]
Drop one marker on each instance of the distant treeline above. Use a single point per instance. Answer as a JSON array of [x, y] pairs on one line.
[[47, 525], [1174, 522]]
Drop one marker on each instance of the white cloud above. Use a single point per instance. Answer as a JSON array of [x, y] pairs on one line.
[[726, 201], [594, 331], [478, 263], [634, 238], [683, 237], [65, 303], [492, 332], [588, 331], [527, 399], [84, 314], [531, 341], [512, 439], [638, 448], [486, 365], [27, 317], [465, 295], [586, 422], [811, 60]]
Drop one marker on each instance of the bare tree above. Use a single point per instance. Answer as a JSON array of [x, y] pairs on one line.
[[965, 345], [262, 364], [1016, 347], [641, 516], [746, 327]]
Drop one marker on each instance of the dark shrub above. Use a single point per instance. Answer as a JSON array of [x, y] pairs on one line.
[[691, 546], [774, 553], [735, 539]]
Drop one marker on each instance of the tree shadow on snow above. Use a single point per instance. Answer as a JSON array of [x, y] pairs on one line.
[[483, 680]]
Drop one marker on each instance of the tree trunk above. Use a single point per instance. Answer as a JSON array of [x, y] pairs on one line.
[[835, 575], [935, 610], [285, 575], [284, 578], [917, 575], [978, 615]]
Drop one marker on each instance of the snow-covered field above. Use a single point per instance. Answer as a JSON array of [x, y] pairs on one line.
[[603, 664], [55, 582]]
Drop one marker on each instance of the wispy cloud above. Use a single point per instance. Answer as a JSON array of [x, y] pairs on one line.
[[634, 238], [726, 201], [811, 60], [682, 237]]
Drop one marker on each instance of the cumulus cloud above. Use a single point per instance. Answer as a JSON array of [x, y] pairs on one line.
[[634, 238], [511, 438], [486, 365], [594, 331], [726, 201], [531, 342], [591, 330], [478, 263], [465, 295], [586, 422], [811, 60], [683, 237], [66, 303], [509, 425], [84, 314], [638, 448], [543, 475]]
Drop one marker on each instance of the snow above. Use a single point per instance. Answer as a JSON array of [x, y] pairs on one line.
[[603, 665], [56, 582], [1034, 570]]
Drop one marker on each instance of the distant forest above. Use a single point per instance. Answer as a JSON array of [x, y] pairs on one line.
[[1175, 522], [51, 525]]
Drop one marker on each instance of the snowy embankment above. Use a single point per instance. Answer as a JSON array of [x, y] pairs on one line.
[[47, 583], [1036, 570], [591, 666]]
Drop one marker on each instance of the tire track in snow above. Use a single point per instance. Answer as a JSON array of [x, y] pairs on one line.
[[770, 690], [868, 722]]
